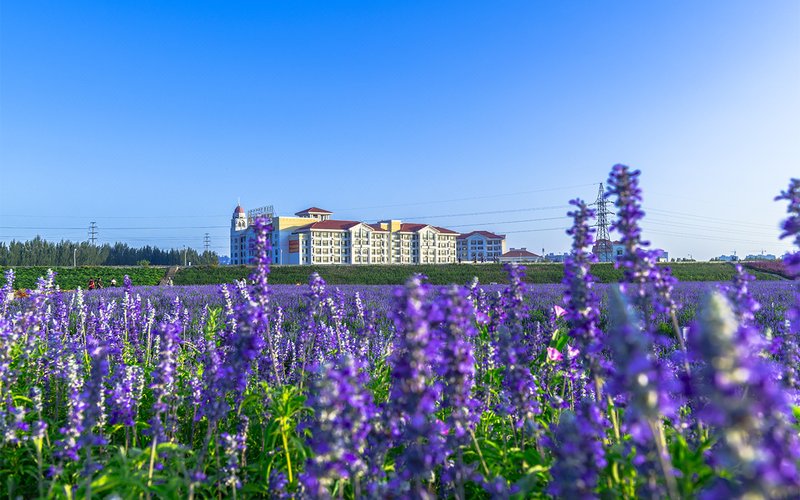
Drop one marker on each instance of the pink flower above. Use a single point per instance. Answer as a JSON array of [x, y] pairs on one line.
[[559, 311], [554, 354]]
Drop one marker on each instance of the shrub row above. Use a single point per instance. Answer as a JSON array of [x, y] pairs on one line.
[[70, 278], [441, 274]]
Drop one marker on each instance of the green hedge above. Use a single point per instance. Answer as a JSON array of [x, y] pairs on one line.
[[440, 274], [70, 278]]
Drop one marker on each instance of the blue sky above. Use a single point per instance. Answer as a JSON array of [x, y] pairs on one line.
[[153, 118]]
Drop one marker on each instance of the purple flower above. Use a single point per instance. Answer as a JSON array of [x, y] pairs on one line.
[[791, 226], [7, 292], [124, 395], [744, 305], [513, 353], [234, 446], [94, 395], [583, 305], [578, 454], [414, 394], [745, 405], [343, 413], [637, 264], [261, 258], [457, 371], [639, 374], [163, 384], [68, 447], [256, 314]]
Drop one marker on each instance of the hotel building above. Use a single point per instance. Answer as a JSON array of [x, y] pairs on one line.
[[481, 246], [313, 237]]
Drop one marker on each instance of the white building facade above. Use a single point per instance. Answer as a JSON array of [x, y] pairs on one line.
[[481, 246], [312, 237]]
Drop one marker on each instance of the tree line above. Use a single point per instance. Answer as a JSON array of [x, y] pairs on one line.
[[40, 252]]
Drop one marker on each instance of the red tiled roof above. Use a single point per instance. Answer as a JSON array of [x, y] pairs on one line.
[[330, 225], [341, 225], [485, 234], [411, 228], [519, 253], [313, 210], [239, 210]]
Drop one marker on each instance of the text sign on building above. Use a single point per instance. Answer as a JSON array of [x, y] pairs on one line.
[[294, 246], [266, 212]]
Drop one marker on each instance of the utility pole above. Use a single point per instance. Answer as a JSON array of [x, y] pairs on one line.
[[602, 240], [206, 242], [185, 249], [75, 257], [92, 232]]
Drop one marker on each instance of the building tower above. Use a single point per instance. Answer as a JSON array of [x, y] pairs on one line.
[[238, 236], [603, 247]]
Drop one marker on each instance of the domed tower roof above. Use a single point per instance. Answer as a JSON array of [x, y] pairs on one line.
[[239, 212]]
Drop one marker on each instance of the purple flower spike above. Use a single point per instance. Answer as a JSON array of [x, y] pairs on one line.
[[791, 226], [746, 407], [414, 396], [579, 456], [583, 306], [343, 412], [163, 384]]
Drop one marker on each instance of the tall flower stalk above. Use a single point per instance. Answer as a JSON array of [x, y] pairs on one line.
[[414, 394], [582, 311], [745, 405]]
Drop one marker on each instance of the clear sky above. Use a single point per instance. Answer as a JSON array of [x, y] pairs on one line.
[[152, 118]]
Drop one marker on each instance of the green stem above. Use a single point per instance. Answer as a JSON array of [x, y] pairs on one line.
[[38, 445], [661, 445], [480, 453], [152, 465], [286, 450], [614, 418]]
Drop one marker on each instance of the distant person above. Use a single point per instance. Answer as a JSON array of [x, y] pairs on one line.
[[91, 285], [99, 283], [113, 281]]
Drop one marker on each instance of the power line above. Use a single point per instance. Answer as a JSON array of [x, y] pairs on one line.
[[728, 229], [469, 198], [508, 222], [537, 230], [29, 216], [140, 228], [492, 212], [708, 218], [712, 238]]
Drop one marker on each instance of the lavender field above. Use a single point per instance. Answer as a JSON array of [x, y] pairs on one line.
[[650, 388]]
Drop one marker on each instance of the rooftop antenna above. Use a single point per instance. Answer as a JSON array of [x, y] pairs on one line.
[[602, 239]]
